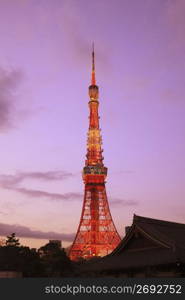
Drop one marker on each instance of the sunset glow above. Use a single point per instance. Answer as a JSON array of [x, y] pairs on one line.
[[45, 71]]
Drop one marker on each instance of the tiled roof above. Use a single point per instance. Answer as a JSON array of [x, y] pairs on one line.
[[170, 234], [137, 259], [169, 246]]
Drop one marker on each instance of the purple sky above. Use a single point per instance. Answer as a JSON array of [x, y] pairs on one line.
[[45, 64]]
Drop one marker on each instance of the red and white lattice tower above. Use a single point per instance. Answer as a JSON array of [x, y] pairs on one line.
[[96, 234]]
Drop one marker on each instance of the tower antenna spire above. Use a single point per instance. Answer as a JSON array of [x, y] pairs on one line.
[[93, 78]]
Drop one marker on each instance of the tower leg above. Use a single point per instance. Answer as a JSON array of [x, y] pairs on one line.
[[96, 235]]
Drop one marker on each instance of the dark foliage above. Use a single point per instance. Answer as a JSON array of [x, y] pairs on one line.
[[49, 261], [55, 261]]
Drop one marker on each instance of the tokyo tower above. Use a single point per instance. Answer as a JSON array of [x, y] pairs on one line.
[[96, 234]]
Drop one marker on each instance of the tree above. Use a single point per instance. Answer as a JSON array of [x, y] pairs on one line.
[[49, 261], [55, 261], [12, 241], [15, 257]]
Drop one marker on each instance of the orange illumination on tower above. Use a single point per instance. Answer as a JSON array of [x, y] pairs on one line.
[[96, 234]]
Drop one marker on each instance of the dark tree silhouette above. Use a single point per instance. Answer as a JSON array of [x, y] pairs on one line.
[[56, 263], [12, 241], [14, 257], [49, 261]]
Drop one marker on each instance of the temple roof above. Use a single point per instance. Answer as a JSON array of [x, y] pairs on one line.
[[165, 233], [138, 259], [149, 242]]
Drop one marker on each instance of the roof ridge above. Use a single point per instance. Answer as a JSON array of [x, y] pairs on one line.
[[156, 221]]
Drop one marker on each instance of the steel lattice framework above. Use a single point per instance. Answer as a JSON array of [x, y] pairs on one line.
[[96, 234]]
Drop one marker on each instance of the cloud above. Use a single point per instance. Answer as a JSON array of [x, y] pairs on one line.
[[11, 182], [128, 172], [8, 83], [125, 172], [71, 16], [2, 213], [175, 17], [7, 181], [123, 202], [26, 232], [172, 94], [51, 196]]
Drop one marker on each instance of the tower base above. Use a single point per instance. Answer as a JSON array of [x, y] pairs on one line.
[[97, 235]]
